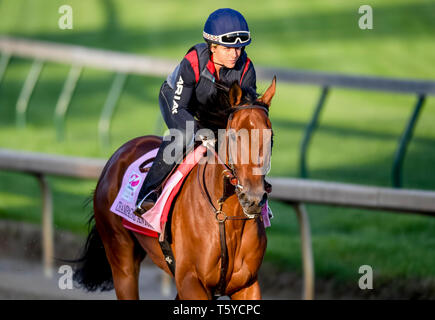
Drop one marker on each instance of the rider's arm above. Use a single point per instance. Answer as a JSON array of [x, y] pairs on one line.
[[183, 83]]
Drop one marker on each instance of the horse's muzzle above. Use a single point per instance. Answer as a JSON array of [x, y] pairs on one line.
[[252, 203]]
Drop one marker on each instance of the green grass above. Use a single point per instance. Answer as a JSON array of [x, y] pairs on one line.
[[395, 245], [356, 140]]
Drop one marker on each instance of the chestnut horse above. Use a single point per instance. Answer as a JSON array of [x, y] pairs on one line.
[[112, 254]]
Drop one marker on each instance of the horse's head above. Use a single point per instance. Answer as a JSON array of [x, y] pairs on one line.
[[249, 146]]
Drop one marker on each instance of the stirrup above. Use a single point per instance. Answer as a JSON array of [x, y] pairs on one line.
[[144, 205], [139, 211]]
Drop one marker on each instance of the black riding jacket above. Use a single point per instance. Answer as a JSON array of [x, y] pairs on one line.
[[193, 79]]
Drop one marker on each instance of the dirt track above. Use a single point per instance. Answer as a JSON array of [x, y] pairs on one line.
[[22, 277], [21, 274]]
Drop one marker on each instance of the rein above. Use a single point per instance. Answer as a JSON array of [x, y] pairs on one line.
[[229, 176]]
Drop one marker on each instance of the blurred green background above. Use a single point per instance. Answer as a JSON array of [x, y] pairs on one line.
[[356, 140]]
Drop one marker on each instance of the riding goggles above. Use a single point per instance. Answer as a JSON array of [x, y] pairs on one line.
[[230, 37]]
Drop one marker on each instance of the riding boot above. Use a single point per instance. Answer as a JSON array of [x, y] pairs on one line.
[[156, 175]]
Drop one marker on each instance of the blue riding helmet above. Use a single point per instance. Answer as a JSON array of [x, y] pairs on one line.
[[227, 27]]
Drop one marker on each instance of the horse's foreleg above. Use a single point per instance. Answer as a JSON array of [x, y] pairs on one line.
[[190, 288], [249, 293]]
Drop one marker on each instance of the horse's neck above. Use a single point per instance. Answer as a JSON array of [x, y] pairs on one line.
[[214, 181]]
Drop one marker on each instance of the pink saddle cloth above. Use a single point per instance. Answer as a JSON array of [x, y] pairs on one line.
[[152, 222]]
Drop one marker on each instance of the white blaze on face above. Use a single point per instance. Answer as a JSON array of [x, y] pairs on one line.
[[251, 147], [261, 150], [238, 146]]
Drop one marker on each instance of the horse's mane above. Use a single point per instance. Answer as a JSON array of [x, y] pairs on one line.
[[214, 113]]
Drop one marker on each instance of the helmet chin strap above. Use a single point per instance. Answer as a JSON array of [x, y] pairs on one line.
[[219, 64]]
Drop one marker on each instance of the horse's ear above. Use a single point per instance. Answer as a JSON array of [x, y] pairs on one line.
[[270, 92], [235, 94]]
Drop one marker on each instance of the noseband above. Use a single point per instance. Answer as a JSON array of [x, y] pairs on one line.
[[229, 175]]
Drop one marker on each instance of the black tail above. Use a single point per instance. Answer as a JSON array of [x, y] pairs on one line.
[[93, 271]]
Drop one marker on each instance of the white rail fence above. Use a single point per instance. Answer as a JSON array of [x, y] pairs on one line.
[[123, 64], [294, 191]]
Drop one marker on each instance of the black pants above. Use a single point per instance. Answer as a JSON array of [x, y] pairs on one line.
[[163, 164]]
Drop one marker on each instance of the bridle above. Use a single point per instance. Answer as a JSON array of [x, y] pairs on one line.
[[229, 176], [229, 171]]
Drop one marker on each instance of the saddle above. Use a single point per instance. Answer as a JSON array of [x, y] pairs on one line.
[[154, 222]]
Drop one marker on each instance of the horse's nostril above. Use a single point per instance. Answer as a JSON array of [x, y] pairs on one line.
[[251, 201]]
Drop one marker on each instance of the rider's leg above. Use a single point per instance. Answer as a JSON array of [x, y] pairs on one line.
[[156, 174], [170, 152], [169, 155]]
